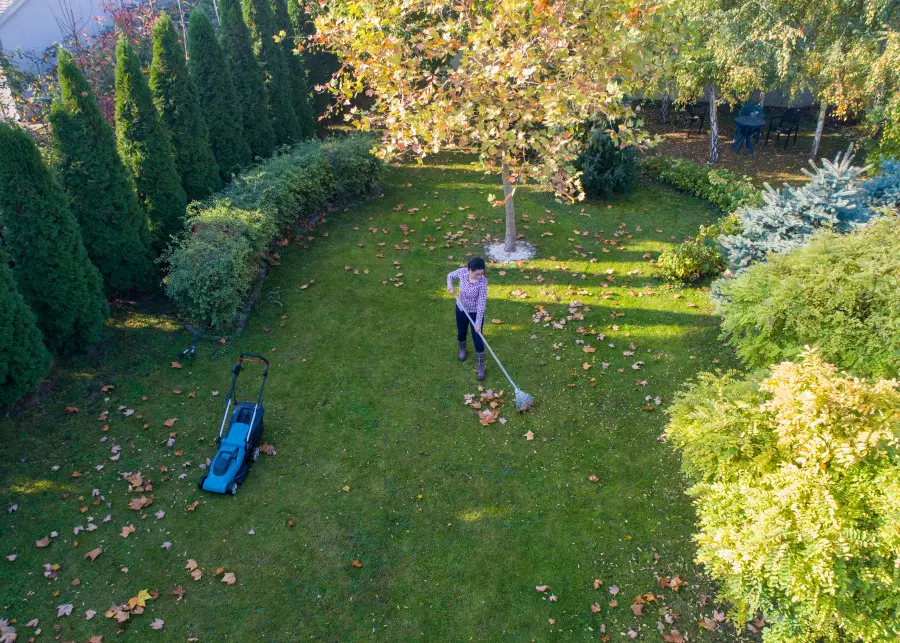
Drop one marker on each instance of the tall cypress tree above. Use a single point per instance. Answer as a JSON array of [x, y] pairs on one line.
[[218, 99], [145, 148], [261, 22], [296, 70], [113, 223], [176, 101], [24, 360], [319, 64], [248, 79], [52, 269]]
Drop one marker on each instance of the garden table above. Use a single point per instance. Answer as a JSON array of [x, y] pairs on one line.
[[747, 126]]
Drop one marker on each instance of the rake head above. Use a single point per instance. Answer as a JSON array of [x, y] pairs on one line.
[[523, 401]]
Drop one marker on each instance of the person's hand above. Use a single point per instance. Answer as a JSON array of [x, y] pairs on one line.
[[452, 292], [478, 330]]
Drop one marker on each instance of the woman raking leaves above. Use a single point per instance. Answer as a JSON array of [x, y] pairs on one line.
[[473, 287]]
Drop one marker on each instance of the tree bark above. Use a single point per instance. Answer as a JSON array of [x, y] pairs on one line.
[[508, 190], [820, 125], [713, 127], [665, 103]]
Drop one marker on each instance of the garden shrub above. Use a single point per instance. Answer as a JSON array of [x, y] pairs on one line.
[[719, 186], [24, 360], [698, 257], [796, 481], [840, 293], [211, 273], [214, 263], [883, 189], [689, 261], [606, 168]]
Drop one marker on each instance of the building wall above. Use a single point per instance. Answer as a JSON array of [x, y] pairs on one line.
[[31, 25]]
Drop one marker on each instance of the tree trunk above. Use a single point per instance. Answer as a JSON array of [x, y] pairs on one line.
[[713, 127], [664, 105], [820, 125], [762, 97], [510, 242]]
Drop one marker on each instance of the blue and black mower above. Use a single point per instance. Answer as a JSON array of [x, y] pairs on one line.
[[239, 445]]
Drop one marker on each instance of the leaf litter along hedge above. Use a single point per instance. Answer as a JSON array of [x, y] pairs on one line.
[[214, 262]]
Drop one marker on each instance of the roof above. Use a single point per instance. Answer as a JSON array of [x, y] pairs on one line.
[[5, 5]]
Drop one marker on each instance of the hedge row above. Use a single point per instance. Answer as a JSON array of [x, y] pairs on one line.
[[214, 263], [721, 187]]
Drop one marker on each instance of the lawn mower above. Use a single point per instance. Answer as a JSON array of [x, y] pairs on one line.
[[239, 445]]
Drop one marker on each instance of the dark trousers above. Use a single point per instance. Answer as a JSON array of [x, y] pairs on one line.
[[462, 328]]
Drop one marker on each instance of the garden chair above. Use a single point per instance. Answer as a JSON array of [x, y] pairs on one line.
[[695, 114], [788, 123]]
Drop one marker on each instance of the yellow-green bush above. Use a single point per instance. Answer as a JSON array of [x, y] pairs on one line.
[[796, 480]]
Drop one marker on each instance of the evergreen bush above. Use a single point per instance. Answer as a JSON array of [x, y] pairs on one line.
[[218, 99], [840, 293], [260, 20], [51, 266], [112, 222], [720, 187], [320, 64], [209, 287], [24, 360], [176, 100], [606, 168], [145, 148], [296, 65], [796, 481], [248, 79], [831, 199]]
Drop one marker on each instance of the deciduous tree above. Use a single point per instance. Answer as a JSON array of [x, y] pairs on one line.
[[510, 81]]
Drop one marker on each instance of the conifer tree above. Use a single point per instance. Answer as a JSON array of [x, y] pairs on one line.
[[145, 148], [218, 99], [248, 79], [24, 360], [51, 266], [113, 224], [296, 64], [176, 101], [319, 64], [261, 22]]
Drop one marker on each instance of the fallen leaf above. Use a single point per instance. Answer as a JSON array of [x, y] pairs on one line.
[[178, 592], [228, 578], [140, 600], [89, 614], [170, 422], [127, 530], [64, 610], [528, 436], [72, 409], [197, 574], [595, 608], [92, 555], [43, 542], [356, 563], [177, 365], [542, 588], [157, 624]]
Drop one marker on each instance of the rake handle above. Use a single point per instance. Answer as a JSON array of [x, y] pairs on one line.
[[493, 354]]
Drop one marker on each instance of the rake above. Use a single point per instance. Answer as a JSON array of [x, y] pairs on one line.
[[523, 400]]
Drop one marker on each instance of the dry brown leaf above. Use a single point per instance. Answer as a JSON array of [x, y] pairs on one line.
[[92, 555], [228, 578], [43, 542], [170, 422], [127, 530], [177, 365]]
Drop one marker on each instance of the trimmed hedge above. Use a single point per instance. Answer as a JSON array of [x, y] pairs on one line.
[[721, 187], [214, 263]]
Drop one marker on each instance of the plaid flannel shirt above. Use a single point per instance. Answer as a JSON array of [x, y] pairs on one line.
[[472, 296]]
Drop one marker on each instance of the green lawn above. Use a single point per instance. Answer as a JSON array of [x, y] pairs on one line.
[[378, 458]]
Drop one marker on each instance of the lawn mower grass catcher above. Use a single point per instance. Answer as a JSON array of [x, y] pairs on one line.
[[239, 445]]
